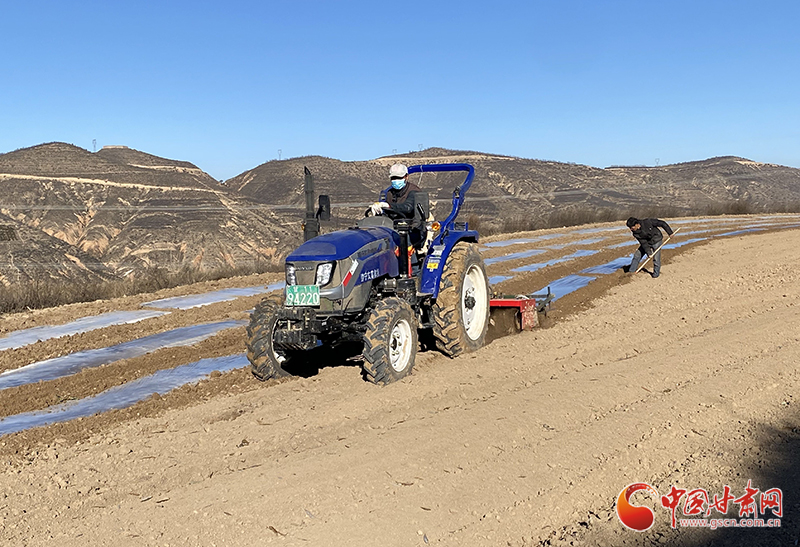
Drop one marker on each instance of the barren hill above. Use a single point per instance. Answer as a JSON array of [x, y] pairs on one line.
[[28, 254], [509, 187], [119, 164], [130, 156], [123, 210], [56, 159], [281, 182], [130, 210]]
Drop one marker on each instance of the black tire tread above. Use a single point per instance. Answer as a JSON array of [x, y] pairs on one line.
[[448, 330], [377, 363], [259, 339]]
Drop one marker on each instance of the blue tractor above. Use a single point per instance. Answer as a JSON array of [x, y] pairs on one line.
[[381, 283]]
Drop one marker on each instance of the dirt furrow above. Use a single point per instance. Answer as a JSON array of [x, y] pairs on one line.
[[691, 379]]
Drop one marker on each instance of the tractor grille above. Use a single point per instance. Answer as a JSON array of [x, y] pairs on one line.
[[306, 272]]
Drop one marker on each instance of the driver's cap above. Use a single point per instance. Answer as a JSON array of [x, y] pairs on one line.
[[398, 171]]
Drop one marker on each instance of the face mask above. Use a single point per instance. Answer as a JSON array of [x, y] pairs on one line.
[[398, 184]]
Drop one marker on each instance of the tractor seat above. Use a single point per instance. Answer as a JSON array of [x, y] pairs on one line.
[[422, 208], [419, 224]]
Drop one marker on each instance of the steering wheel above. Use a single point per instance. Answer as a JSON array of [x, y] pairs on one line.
[[394, 215]]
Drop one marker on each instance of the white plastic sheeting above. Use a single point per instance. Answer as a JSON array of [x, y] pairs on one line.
[[124, 395], [214, 297], [567, 284], [682, 243], [577, 243], [596, 230], [740, 232], [513, 256], [623, 244], [509, 242], [540, 265], [58, 367], [20, 338], [608, 267]]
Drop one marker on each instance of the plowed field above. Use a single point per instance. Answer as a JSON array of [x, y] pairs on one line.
[[688, 380]]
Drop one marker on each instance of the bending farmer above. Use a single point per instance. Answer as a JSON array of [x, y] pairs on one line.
[[649, 236]]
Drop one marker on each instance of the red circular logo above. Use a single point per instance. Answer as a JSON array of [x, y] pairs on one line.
[[633, 516]]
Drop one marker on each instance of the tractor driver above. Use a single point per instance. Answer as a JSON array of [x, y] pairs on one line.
[[397, 203], [400, 204]]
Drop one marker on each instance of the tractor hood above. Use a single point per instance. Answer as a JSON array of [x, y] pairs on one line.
[[339, 245]]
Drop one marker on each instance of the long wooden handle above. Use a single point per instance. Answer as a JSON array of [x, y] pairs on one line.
[[643, 264]]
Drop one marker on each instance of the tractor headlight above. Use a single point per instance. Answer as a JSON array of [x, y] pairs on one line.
[[291, 275], [324, 272]]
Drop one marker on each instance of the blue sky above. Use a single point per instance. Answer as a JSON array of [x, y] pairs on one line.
[[227, 85]]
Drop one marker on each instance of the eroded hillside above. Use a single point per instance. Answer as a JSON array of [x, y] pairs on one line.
[[131, 210]]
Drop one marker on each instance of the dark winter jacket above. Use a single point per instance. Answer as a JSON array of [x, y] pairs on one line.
[[649, 235], [399, 202]]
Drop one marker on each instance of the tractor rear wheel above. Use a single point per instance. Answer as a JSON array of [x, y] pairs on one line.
[[461, 311], [390, 341], [266, 362]]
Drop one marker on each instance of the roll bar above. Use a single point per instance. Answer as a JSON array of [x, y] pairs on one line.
[[458, 193]]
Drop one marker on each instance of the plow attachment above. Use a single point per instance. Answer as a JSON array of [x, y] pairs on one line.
[[515, 313]]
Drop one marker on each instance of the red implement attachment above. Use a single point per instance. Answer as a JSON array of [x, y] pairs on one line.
[[527, 306]]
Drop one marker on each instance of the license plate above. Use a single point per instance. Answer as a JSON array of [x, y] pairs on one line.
[[302, 295]]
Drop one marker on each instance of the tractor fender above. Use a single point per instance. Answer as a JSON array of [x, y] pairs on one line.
[[437, 257]]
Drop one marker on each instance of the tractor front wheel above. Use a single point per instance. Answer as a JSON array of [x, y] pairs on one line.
[[461, 310], [265, 360], [390, 341]]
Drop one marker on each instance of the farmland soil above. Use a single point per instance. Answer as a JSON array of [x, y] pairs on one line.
[[689, 380]]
